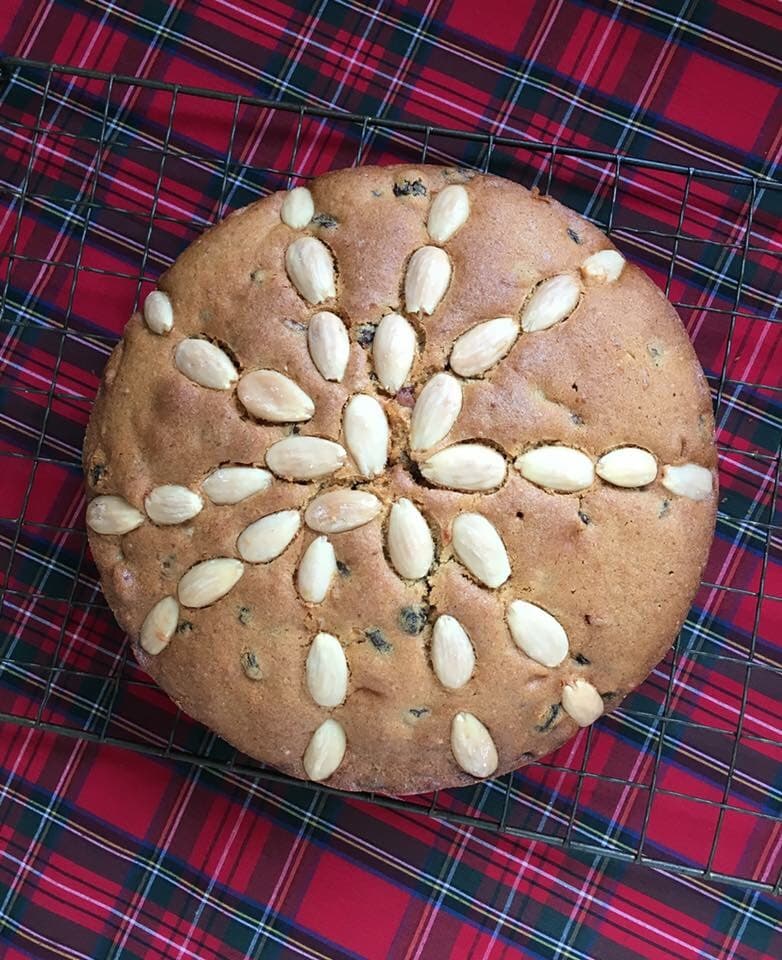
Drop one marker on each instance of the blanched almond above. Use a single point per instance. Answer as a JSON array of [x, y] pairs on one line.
[[449, 210], [270, 395], [234, 484], [687, 480], [158, 312], [558, 468], [268, 537], [537, 633], [311, 269], [393, 351], [551, 301], [112, 516], [366, 434], [435, 412], [341, 510], [316, 571], [205, 364], [472, 746], [159, 626], [297, 208], [325, 751], [304, 458], [209, 581], [327, 671], [605, 266], [477, 350], [427, 278], [479, 547], [171, 503], [329, 345], [410, 544], [627, 467], [582, 702], [453, 658], [466, 466]]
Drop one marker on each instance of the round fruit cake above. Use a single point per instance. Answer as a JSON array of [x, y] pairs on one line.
[[401, 478]]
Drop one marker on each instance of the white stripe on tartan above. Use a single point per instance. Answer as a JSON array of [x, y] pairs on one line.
[[252, 72], [382, 857]]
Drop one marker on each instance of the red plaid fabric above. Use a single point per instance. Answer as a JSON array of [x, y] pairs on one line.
[[128, 831]]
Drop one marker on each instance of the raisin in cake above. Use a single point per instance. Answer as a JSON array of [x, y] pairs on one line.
[[401, 478]]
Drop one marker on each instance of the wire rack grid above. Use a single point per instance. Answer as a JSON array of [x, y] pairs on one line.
[[105, 179]]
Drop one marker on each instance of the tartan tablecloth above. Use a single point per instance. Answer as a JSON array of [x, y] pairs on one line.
[[107, 852]]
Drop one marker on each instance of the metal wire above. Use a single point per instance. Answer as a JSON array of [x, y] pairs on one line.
[[95, 692]]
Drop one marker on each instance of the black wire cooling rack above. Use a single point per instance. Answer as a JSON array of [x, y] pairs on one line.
[[105, 179]]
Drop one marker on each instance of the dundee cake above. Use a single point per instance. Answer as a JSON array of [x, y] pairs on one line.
[[400, 478]]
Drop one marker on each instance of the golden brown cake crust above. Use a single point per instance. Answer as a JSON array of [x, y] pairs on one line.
[[617, 567]]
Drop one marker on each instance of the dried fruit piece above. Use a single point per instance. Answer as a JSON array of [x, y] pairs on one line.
[[311, 269], [627, 467], [297, 208], [466, 466], [480, 548], [472, 746], [209, 581], [233, 484], [159, 626], [245, 615], [427, 278], [97, 473], [550, 719], [539, 634], [329, 345], [268, 537], [170, 503], [325, 750], [393, 351], [582, 702], [366, 434], [449, 211], [327, 671], [378, 640], [112, 516], [435, 412], [251, 665], [341, 510], [365, 334], [453, 658], [410, 188], [410, 544], [270, 395], [304, 458], [205, 364], [558, 468], [551, 301], [686, 480], [477, 350], [605, 266], [316, 570], [413, 619], [158, 312]]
